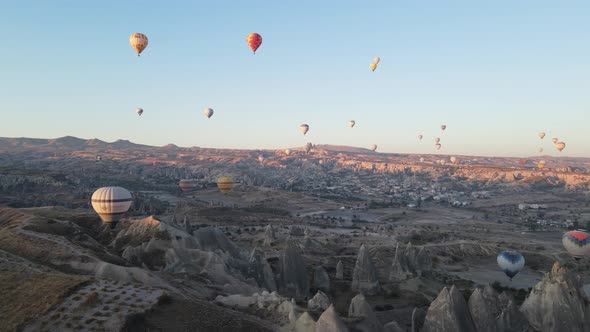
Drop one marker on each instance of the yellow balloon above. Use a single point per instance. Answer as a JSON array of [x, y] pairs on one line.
[[373, 66], [225, 184], [138, 41]]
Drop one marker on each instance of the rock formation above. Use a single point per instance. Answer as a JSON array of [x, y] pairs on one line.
[[319, 302], [260, 270], [512, 320], [321, 280], [448, 312], [269, 235], [364, 276], [294, 280], [484, 308], [329, 321], [305, 323], [412, 262], [393, 326], [339, 270], [359, 307], [555, 303]]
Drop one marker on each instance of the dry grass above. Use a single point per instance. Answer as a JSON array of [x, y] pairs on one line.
[[25, 295]]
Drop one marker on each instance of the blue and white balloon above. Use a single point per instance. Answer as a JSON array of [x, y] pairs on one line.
[[511, 262]]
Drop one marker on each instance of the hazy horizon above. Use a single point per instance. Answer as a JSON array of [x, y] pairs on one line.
[[496, 74]]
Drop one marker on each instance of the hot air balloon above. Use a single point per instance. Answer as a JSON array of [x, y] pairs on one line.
[[453, 159], [351, 123], [422, 159], [373, 147], [442, 162], [261, 159], [523, 161], [98, 158], [437, 140], [376, 60], [443, 127], [111, 203], [155, 163], [554, 140], [560, 146], [438, 146], [577, 243], [139, 111], [186, 185], [287, 152], [420, 137], [208, 112], [304, 128], [138, 41], [540, 150], [308, 147], [373, 66], [511, 262], [541, 164], [254, 40], [541, 135], [225, 184]]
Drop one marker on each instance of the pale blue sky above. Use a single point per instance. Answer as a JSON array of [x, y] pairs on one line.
[[495, 73]]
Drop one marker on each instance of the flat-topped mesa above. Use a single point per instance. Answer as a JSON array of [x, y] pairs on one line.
[[364, 276]]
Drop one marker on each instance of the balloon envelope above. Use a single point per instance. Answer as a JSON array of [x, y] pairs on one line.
[[420, 137], [186, 185], [560, 146], [554, 140], [111, 203], [304, 128], [438, 146], [139, 111], [254, 40], [437, 140], [577, 243], [373, 66], [138, 41], [443, 127], [542, 135], [351, 123], [308, 147], [225, 184], [511, 262], [373, 147], [376, 60], [208, 112]]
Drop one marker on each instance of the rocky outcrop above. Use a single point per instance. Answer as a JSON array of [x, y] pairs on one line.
[[555, 303], [269, 235], [339, 270], [393, 326], [329, 321], [319, 302], [360, 308], [484, 308], [448, 312], [321, 280], [412, 262], [294, 280], [400, 268], [260, 270], [305, 323], [296, 231], [364, 276], [512, 320]]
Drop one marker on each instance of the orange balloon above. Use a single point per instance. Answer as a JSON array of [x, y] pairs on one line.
[[254, 40]]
